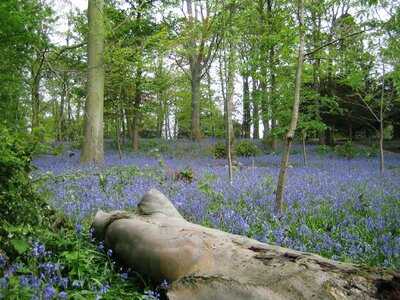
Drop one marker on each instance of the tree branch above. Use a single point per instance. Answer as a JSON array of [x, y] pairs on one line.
[[334, 42]]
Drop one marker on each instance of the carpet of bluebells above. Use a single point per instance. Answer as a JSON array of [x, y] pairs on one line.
[[337, 207]]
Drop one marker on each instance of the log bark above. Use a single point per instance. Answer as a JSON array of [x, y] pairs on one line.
[[204, 263]]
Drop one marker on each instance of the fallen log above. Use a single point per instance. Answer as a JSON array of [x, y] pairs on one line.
[[204, 263]]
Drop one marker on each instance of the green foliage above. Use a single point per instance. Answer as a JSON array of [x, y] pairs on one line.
[[246, 148], [347, 150], [19, 202], [154, 146], [65, 253], [219, 150], [186, 174], [324, 149]]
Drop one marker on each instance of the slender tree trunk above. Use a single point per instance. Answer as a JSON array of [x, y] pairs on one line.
[[381, 125], [246, 108], [228, 108], [35, 97], [295, 115], [264, 107], [195, 89], [118, 122], [304, 137], [61, 117], [272, 71], [124, 121], [256, 111], [117, 137], [160, 115], [350, 125], [92, 150], [136, 123]]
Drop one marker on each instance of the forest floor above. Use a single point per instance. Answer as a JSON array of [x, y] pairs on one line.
[[336, 206]]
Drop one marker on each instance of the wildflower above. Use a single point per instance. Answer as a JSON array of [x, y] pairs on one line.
[[62, 295], [124, 275], [78, 228], [24, 281], [3, 261], [100, 247], [3, 283], [104, 289], [109, 252], [91, 234], [151, 295], [38, 250], [49, 292], [164, 285], [64, 282], [77, 284]]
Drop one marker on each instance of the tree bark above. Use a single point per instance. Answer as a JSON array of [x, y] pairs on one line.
[[61, 117], [92, 150], [228, 109], [195, 98], [35, 97], [272, 71], [195, 73], [246, 108], [264, 107], [202, 263], [381, 125], [136, 121], [303, 138], [256, 111], [295, 115]]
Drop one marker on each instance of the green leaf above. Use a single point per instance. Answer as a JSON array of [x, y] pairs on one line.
[[20, 246]]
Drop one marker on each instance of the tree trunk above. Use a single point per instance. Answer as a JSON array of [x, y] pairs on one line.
[[35, 97], [160, 115], [381, 125], [274, 141], [303, 138], [264, 107], [272, 71], [92, 150], [295, 115], [228, 108], [246, 108], [256, 111], [195, 89], [195, 72], [136, 121], [202, 263], [135, 132], [61, 117]]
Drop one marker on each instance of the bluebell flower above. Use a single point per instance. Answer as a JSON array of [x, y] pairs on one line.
[[109, 252], [49, 292], [3, 282], [24, 281], [100, 246], [78, 228], [3, 261], [104, 289], [77, 284], [38, 249], [151, 295], [164, 284], [62, 295]]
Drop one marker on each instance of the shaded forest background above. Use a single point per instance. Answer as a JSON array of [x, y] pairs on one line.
[[169, 63]]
